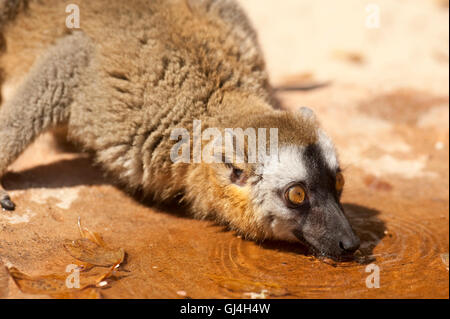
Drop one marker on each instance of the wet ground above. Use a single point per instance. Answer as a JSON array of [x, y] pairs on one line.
[[386, 106]]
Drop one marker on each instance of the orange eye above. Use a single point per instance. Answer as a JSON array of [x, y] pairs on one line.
[[295, 195], [340, 182]]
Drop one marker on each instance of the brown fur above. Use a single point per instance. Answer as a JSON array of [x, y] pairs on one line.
[[136, 70]]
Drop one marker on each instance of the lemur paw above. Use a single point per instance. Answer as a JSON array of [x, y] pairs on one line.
[[6, 202]]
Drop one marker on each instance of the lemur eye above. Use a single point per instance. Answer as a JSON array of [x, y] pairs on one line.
[[340, 181], [295, 195], [237, 176], [236, 172]]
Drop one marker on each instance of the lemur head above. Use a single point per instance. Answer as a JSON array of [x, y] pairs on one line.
[[293, 195]]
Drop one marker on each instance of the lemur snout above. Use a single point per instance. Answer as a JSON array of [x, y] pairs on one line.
[[341, 237], [326, 229], [349, 244], [348, 241]]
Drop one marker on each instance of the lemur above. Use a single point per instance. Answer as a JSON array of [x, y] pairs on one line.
[[137, 69]]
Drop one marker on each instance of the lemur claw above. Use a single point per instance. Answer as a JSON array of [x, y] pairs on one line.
[[6, 203]]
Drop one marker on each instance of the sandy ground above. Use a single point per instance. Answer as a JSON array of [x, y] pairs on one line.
[[386, 106]]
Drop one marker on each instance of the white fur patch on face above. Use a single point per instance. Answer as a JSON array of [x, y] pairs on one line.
[[328, 150], [287, 167], [277, 172]]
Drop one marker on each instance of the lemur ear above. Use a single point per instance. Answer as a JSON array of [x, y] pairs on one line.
[[307, 113]]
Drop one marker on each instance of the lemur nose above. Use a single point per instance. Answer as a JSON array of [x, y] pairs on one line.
[[349, 244]]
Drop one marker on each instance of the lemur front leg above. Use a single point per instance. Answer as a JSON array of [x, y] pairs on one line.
[[42, 101]]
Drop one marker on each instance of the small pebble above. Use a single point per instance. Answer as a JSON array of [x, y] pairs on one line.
[[254, 295]]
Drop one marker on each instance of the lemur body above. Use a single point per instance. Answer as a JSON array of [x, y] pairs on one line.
[[138, 69]]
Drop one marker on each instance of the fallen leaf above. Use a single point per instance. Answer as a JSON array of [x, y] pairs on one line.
[[92, 250], [94, 237], [54, 285]]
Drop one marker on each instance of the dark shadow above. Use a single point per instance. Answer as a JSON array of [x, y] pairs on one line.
[[174, 207], [64, 173], [78, 172], [369, 228]]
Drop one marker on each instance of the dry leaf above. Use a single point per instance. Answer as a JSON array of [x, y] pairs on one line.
[[86, 233], [54, 285], [92, 251], [89, 252]]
